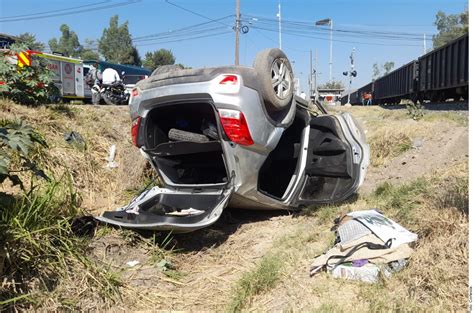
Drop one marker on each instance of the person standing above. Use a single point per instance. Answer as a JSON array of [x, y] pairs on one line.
[[93, 80], [110, 76]]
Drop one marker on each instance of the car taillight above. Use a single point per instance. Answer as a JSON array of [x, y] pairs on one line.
[[229, 80], [135, 127], [235, 126]]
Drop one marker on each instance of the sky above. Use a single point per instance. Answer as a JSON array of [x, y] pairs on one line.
[[379, 31]]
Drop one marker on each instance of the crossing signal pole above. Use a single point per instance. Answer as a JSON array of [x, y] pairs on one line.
[[351, 73]]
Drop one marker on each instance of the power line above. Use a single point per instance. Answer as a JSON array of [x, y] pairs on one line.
[[196, 13], [309, 27], [63, 12], [345, 41], [53, 11], [185, 39], [183, 33]]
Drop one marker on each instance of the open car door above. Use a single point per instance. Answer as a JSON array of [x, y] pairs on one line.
[[337, 157], [171, 209]]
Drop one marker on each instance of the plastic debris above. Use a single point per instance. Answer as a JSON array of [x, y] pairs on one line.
[[186, 212], [133, 263], [74, 138], [368, 273], [165, 265], [111, 163]]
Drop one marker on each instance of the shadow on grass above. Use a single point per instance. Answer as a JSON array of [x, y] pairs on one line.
[[229, 222]]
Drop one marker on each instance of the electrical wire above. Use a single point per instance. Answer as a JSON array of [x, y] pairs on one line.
[[336, 40], [54, 11], [196, 13], [63, 12], [305, 29], [185, 39]]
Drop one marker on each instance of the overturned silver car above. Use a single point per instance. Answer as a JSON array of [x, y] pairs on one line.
[[236, 137]]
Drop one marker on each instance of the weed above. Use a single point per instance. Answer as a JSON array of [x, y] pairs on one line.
[[415, 110], [401, 199], [263, 278], [39, 250], [451, 117], [329, 308], [387, 145], [64, 109]]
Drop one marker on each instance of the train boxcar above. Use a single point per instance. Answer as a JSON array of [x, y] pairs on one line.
[[397, 85], [444, 72]]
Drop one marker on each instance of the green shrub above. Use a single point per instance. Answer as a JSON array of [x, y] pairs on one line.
[[31, 85], [17, 139]]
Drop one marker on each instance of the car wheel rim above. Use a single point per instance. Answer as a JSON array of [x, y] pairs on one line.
[[281, 79]]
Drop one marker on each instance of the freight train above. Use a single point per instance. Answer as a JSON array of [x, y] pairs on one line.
[[436, 76]]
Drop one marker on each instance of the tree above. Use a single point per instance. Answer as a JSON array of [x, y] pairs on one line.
[[388, 66], [158, 58], [30, 41], [375, 71], [332, 85], [87, 52], [68, 44], [450, 27], [116, 44]]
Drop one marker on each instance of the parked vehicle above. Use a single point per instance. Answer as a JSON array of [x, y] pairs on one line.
[[236, 137]]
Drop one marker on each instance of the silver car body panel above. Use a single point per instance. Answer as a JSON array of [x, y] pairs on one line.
[[242, 163]]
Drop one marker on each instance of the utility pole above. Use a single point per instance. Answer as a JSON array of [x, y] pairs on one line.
[[311, 92], [279, 23], [330, 55], [237, 30], [315, 73]]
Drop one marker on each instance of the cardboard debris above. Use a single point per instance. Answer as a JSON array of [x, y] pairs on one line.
[[367, 244]]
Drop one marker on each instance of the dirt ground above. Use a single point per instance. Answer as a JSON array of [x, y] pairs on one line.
[[209, 264]]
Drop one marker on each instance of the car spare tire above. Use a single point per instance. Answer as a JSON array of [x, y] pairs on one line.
[[276, 77]]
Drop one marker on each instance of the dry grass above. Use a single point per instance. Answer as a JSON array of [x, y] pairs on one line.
[[262, 264], [101, 126]]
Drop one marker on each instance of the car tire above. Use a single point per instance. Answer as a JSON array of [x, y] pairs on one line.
[[107, 99], [276, 77], [182, 135]]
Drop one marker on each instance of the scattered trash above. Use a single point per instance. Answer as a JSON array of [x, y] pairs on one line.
[[133, 263], [186, 212], [417, 143], [84, 226], [367, 243], [111, 163], [165, 265], [394, 267], [368, 273], [74, 138]]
